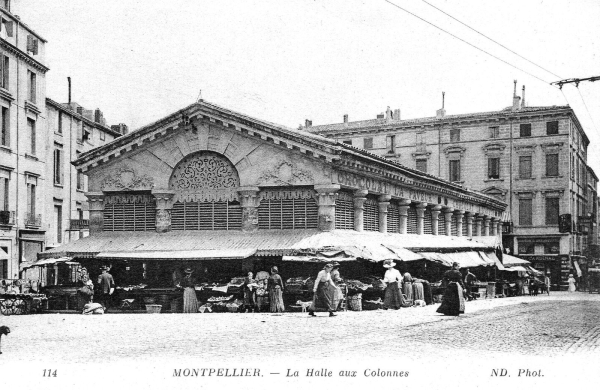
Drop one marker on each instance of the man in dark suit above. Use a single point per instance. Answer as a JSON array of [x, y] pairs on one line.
[[106, 284]]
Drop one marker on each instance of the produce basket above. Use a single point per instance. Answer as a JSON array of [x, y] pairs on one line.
[[355, 302], [153, 309]]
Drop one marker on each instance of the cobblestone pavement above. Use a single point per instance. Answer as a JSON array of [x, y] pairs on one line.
[[558, 324]]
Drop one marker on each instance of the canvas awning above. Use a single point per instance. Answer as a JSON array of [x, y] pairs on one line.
[[510, 261], [179, 255], [464, 259], [534, 271], [497, 262], [51, 261], [516, 268]]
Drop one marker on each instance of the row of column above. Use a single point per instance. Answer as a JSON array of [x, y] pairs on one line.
[[326, 196]]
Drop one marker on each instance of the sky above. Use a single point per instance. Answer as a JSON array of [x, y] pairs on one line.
[[287, 61]]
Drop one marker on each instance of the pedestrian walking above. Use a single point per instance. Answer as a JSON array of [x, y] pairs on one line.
[[407, 288], [323, 291], [338, 295], [392, 278], [453, 302], [275, 285], [190, 302], [106, 284], [547, 282], [470, 280], [572, 287], [85, 294]]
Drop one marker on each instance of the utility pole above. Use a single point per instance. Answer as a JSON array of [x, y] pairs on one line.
[[576, 81]]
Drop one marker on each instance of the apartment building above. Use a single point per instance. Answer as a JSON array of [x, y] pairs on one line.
[[40, 193], [533, 158]]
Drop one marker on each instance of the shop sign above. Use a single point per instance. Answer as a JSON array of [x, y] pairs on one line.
[[539, 258]]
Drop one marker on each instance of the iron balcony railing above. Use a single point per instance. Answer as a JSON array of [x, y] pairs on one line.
[[33, 220], [7, 217]]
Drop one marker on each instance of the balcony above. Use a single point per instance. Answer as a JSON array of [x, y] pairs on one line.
[[33, 220], [7, 217], [80, 224]]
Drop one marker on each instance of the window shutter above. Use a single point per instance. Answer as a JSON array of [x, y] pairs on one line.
[[442, 224], [552, 165], [525, 215], [29, 43], [411, 225], [454, 226], [428, 222], [393, 219], [371, 215], [8, 25], [344, 211]]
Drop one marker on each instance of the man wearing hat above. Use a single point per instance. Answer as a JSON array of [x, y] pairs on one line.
[[106, 284]]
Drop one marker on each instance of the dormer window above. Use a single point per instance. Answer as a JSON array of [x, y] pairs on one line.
[[6, 28], [32, 44], [5, 4]]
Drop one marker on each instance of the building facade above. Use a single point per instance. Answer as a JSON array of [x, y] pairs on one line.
[[532, 158], [209, 184], [40, 192]]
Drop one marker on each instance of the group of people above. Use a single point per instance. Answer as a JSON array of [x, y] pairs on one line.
[[401, 290], [106, 287]]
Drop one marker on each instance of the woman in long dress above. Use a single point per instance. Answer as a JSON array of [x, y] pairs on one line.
[[453, 302], [418, 292], [275, 286], [190, 302], [407, 287], [337, 291], [262, 291], [572, 281], [392, 279], [323, 293], [250, 293]]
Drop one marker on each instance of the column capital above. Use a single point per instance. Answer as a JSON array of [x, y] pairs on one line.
[[360, 193], [448, 210], [459, 212], [95, 200], [384, 198], [404, 202], [326, 188], [421, 205], [163, 199], [437, 207]]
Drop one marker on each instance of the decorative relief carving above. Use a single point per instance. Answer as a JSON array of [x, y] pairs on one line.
[[126, 179], [205, 177], [129, 198], [285, 173], [301, 193]]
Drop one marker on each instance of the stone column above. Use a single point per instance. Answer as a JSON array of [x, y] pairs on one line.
[[249, 201], [359, 209], [326, 195], [164, 205], [435, 219], [448, 220], [493, 226], [486, 225], [469, 217], [499, 227], [420, 217], [403, 206], [384, 202], [478, 222], [96, 203], [459, 222]]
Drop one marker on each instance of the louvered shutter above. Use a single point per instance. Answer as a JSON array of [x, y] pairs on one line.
[[393, 219], [428, 222], [454, 226], [441, 224], [371, 215], [411, 225], [464, 227], [344, 211]]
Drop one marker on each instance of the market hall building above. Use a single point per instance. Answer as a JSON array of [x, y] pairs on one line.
[[224, 193]]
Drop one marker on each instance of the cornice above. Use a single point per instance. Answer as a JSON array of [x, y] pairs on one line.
[[23, 56]]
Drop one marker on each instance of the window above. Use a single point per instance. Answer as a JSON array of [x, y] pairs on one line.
[[552, 128], [4, 263], [525, 167], [31, 128], [391, 143], [347, 141], [494, 132], [32, 44], [79, 129], [552, 211], [526, 248], [525, 130], [6, 5], [422, 165], [4, 71], [87, 134], [59, 122], [58, 222], [4, 181], [31, 186], [368, 143], [454, 170], [494, 168], [525, 212], [420, 138], [552, 248], [80, 178], [58, 162], [552, 164], [454, 135], [572, 167], [5, 127], [31, 86], [102, 135]]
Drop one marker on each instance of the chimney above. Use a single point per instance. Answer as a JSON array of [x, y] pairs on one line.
[[439, 114], [388, 114], [523, 98], [80, 110], [380, 116], [345, 119], [516, 99], [397, 114], [307, 123], [69, 81]]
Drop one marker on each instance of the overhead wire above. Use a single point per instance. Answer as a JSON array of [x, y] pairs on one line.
[[587, 109], [466, 42], [485, 36]]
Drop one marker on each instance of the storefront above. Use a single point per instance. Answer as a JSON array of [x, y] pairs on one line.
[[224, 193]]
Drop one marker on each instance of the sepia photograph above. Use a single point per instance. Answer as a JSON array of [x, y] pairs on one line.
[[203, 194]]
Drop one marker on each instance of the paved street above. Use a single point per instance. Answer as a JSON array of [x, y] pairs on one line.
[[559, 324]]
